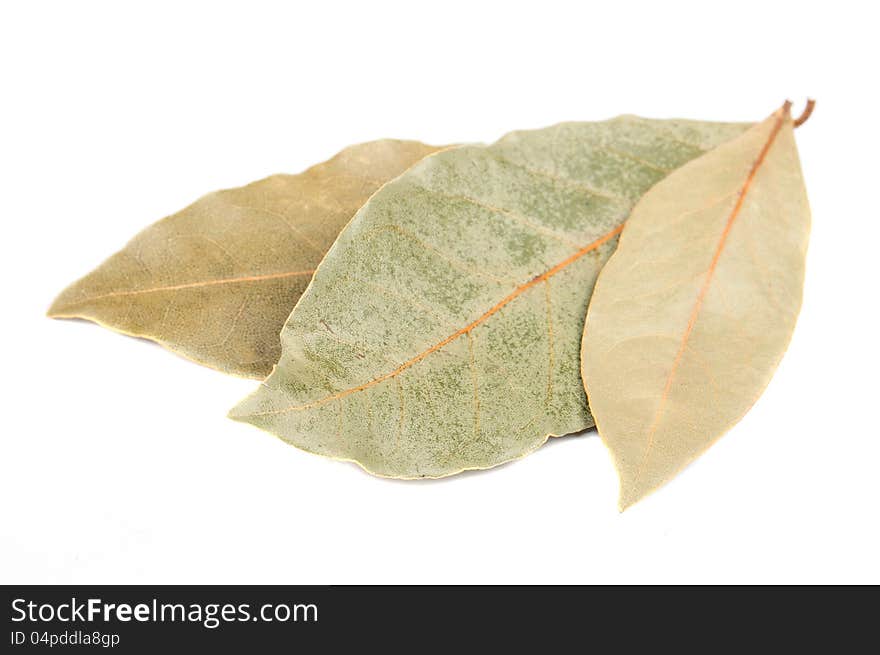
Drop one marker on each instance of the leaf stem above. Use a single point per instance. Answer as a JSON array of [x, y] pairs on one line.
[[806, 113]]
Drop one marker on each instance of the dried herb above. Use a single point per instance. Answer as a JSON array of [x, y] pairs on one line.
[[692, 314], [216, 281]]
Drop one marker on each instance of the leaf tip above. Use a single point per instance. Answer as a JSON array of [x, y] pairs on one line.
[[243, 412], [628, 498], [56, 309], [65, 303], [632, 490], [236, 414]]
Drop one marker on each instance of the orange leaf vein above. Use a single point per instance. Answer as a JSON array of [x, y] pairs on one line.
[[707, 281], [192, 285], [463, 331]]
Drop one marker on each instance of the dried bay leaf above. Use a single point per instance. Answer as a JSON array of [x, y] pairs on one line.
[[692, 314], [216, 281], [442, 330]]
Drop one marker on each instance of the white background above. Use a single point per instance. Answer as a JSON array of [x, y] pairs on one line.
[[117, 464]]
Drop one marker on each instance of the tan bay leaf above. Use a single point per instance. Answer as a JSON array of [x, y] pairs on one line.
[[442, 330], [216, 281], [692, 314]]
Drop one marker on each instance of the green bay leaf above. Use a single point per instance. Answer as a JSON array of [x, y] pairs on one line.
[[442, 330], [216, 281]]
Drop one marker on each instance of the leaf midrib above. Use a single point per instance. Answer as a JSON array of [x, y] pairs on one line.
[[707, 281], [519, 290], [192, 285]]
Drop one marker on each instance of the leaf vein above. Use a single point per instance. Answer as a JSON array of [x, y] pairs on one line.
[[192, 285], [519, 290], [701, 295], [565, 181]]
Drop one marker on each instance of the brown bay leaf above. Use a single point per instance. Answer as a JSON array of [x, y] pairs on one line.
[[216, 281], [692, 314], [442, 330]]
